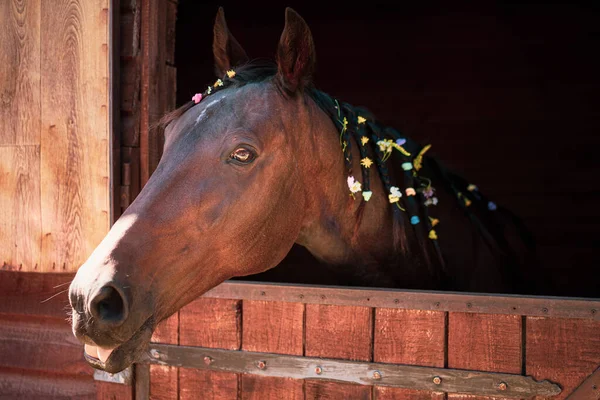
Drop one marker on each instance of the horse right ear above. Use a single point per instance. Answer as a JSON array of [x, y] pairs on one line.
[[227, 51]]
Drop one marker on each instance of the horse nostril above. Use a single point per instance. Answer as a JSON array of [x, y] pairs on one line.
[[109, 306]]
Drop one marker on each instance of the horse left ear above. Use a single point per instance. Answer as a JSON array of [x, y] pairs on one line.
[[296, 53], [227, 51]]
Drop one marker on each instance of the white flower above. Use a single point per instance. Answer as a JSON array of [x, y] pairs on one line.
[[395, 194], [385, 146], [367, 195], [353, 185], [431, 201]]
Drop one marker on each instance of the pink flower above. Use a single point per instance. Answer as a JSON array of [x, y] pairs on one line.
[[197, 97]]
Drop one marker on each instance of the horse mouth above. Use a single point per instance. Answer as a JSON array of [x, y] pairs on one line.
[[118, 358]]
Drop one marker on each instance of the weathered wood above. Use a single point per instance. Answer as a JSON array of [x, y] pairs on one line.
[[336, 391], [484, 342], [142, 382], [152, 104], [413, 337], [20, 216], [209, 385], [23, 384], [589, 389], [75, 135], [339, 332], [270, 388], [565, 351], [211, 323], [34, 294], [164, 381], [364, 373], [273, 327], [20, 72], [412, 300], [113, 391], [45, 344], [170, 33]]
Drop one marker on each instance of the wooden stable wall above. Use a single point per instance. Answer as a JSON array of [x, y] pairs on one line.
[[54, 132], [548, 339]]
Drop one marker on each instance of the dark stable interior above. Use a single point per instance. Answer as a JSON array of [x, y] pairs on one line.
[[507, 94]]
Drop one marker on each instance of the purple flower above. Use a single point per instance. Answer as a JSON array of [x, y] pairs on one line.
[[400, 141], [428, 192]]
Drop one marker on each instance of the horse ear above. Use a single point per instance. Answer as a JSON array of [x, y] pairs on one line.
[[295, 53], [227, 51]]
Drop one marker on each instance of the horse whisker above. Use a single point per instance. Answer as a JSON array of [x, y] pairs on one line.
[[54, 295], [62, 284]]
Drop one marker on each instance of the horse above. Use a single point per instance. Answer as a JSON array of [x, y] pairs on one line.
[[262, 160]]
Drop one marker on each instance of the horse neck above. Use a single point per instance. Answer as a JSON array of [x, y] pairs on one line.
[[339, 229]]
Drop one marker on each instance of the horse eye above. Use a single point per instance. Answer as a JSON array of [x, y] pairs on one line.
[[242, 155]]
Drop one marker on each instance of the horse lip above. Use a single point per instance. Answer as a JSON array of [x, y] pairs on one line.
[[126, 353]]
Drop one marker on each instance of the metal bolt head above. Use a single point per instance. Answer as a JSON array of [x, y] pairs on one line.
[[376, 375], [261, 365], [208, 360], [318, 370], [502, 386], [154, 353], [437, 380]]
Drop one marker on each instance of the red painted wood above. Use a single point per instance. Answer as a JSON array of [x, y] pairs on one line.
[[317, 390], [268, 388], [209, 385], [565, 351], [113, 391]]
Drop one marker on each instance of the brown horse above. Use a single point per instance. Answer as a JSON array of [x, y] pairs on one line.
[[262, 160]]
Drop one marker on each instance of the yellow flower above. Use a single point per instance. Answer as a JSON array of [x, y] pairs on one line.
[[209, 90], [366, 162], [434, 221], [345, 123], [419, 158], [432, 235], [467, 202], [364, 140], [218, 83], [231, 73], [361, 120], [471, 187]]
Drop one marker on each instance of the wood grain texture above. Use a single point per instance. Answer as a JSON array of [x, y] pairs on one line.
[[113, 391], [338, 332], [272, 327], [24, 384], [561, 350], [75, 133], [484, 342], [20, 72], [211, 323], [269, 388], [208, 385], [414, 337], [20, 214], [321, 390], [163, 382]]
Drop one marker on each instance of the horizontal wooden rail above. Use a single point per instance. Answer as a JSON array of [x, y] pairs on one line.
[[364, 373], [563, 307]]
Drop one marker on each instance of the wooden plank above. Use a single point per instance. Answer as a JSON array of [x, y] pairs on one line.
[[562, 350], [23, 384], [20, 215], [38, 343], [170, 33], [338, 332], [268, 388], [336, 391], [142, 381], [209, 385], [484, 342], [75, 134], [588, 389], [164, 381], [152, 106], [273, 327], [113, 391], [413, 337], [211, 323], [20, 72], [411, 300], [358, 372]]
